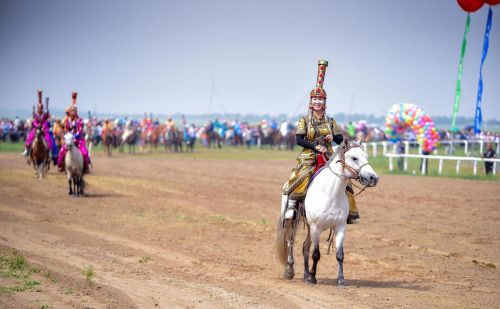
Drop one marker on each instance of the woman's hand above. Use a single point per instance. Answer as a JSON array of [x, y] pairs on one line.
[[321, 149], [329, 138]]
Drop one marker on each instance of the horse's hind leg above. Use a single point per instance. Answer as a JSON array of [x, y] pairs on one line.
[[76, 180], [81, 185], [316, 254], [70, 187], [290, 228], [306, 247], [75, 186], [339, 245]]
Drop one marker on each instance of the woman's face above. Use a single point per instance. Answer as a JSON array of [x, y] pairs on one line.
[[317, 104], [72, 113]]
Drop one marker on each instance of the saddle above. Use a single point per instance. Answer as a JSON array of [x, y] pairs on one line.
[[320, 164]]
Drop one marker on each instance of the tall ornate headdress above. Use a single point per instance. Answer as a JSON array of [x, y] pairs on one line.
[[72, 107], [40, 104], [318, 91]]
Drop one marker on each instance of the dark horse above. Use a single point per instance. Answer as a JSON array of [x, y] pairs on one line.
[[40, 154], [131, 140]]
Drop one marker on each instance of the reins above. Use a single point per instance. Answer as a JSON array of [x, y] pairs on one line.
[[355, 173]]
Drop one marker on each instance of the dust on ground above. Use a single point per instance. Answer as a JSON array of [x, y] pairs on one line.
[[166, 232]]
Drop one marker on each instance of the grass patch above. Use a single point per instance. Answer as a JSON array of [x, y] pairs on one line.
[[181, 217], [379, 163], [49, 275], [15, 267], [11, 147], [68, 291], [144, 259], [88, 273], [219, 218]]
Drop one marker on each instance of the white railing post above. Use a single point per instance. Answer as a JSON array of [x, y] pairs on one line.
[[384, 147], [394, 148], [419, 149], [407, 149], [476, 161], [374, 149], [466, 147], [481, 146]]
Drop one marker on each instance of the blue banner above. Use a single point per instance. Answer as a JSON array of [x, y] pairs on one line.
[[478, 119]]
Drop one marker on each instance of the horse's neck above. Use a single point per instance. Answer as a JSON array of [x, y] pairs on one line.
[[336, 181], [71, 152]]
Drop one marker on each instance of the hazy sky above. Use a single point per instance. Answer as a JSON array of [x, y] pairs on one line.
[[162, 56]]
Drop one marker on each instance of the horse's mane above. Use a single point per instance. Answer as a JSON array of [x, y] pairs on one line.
[[337, 149]]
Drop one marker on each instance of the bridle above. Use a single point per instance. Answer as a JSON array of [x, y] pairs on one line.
[[355, 173]]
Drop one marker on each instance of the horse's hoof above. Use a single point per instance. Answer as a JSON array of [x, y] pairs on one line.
[[288, 275], [312, 280], [340, 282]]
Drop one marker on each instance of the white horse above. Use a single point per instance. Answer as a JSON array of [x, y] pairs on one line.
[[74, 166], [325, 207]]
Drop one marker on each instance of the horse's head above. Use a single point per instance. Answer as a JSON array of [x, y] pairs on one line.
[[355, 162], [39, 132], [68, 140]]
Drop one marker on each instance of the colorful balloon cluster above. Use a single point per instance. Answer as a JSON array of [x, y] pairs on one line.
[[404, 116], [474, 5]]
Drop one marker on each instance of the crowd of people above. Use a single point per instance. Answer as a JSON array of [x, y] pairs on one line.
[[181, 135]]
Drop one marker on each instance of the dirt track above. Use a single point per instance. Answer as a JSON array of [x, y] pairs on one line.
[[169, 232]]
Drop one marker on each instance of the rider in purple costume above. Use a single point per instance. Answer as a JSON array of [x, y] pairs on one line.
[[40, 120], [74, 124]]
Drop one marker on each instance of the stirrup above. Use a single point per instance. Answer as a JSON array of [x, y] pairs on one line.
[[290, 212]]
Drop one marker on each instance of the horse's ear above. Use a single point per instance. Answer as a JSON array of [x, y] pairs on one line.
[[346, 142]]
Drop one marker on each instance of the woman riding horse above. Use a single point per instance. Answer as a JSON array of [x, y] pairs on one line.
[[315, 132], [74, 125], [41, 120]]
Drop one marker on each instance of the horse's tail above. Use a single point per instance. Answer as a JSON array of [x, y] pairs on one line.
[[281, 242]]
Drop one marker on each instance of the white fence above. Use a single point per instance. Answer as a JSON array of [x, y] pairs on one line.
[[467, 144], [441, 159]]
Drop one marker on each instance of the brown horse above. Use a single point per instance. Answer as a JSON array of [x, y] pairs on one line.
[[40, 154], [155, 137], [107, 141]]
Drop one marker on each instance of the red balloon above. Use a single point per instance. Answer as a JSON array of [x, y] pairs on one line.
[[492, 2], [471, 5]]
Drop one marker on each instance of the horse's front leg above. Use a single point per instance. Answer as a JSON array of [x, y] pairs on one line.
[[315, 233], [306, 247], [76, 180], [70, 186], [290, 235], [339, 245]]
